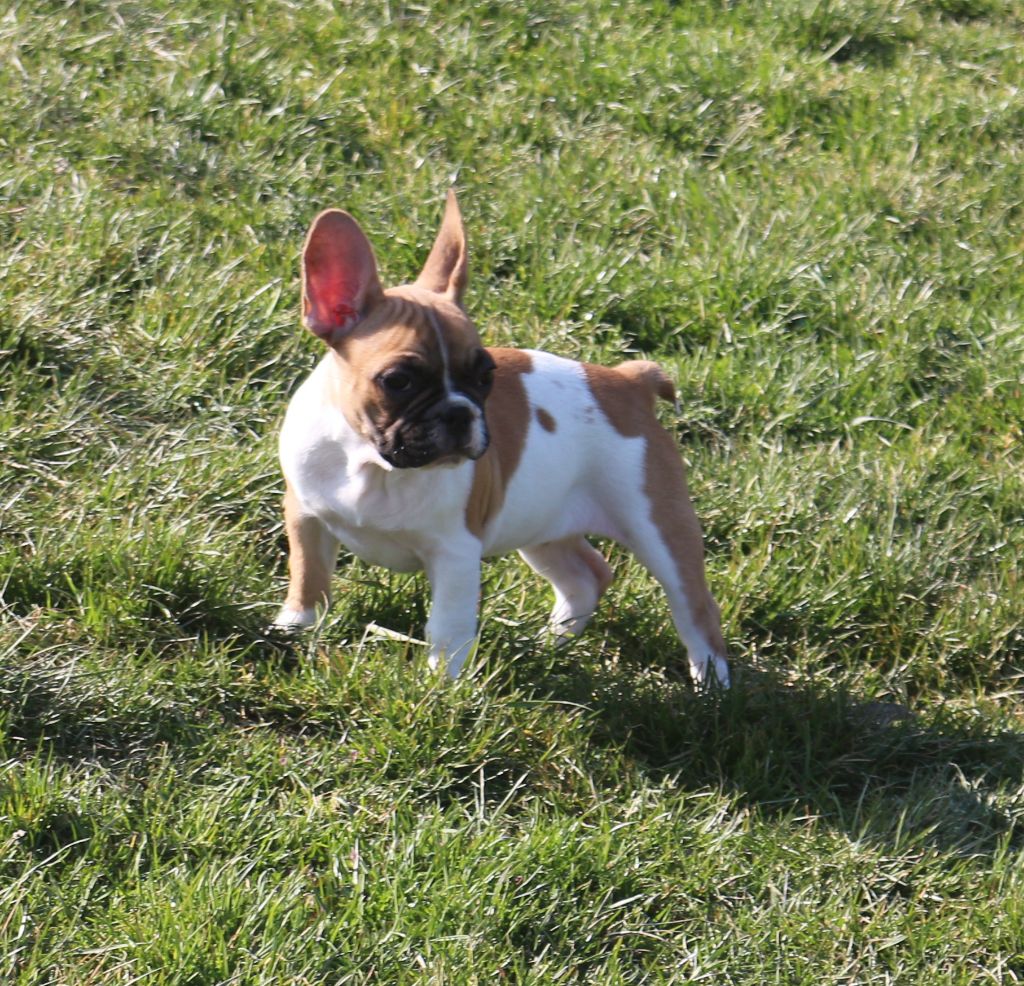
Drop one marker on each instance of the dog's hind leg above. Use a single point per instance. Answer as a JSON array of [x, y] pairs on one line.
[[694, 610], [667, 540], [579, 576]]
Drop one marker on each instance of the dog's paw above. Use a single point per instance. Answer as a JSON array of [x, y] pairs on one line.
[[712, 672], [562, 630], [294, 619]]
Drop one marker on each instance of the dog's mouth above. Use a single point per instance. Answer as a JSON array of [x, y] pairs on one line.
[[437, 441], [412, 449], [413, 457]]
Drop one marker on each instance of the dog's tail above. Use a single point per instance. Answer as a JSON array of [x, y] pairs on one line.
[[650, 376]]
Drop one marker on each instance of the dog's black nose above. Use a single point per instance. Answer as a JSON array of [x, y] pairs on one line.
[[457, 417]]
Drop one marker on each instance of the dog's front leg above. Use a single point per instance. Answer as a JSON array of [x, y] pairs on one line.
[[454, 574], [312, 555]]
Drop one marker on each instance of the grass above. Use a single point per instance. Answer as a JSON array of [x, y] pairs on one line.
[[809, 211]]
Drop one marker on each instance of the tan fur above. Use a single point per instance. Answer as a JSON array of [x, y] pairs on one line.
[[648, 375], [508, 419], [626, 395], [545, 420], [312, 553], [397, 326], [447, 268]]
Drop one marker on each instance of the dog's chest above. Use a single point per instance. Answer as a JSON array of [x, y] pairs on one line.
[[380, 514]]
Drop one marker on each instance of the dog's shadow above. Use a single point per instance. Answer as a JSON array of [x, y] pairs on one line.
[[809, 748], [773, 742]]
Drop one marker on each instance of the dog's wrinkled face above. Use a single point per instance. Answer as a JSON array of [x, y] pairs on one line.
[[417, 380], [412, 375]]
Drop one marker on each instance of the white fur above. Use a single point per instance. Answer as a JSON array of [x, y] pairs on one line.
[[560, 485]]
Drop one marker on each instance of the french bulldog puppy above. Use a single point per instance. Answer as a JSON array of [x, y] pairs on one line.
[[418, 448]]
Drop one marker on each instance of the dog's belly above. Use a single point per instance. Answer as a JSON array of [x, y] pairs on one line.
[[522, 524]]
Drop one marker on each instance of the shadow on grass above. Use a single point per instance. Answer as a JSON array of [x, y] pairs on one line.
[[162, 673], [871, 768], [807, 748], [77, 707]]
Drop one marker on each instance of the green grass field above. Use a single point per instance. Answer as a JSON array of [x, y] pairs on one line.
[[809, 211]]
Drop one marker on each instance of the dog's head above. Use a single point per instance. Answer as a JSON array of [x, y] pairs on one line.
[[414, 374]]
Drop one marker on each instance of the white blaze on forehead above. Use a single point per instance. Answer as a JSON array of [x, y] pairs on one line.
[[477, 436], [442, 346]]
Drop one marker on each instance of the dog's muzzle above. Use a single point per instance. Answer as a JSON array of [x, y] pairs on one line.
[[453, 430]]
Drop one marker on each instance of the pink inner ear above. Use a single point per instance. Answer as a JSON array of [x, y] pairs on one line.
[[330, 303], [340, 274]]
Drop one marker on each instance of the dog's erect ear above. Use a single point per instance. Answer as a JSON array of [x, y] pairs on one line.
[[447, 267], [339, 275]]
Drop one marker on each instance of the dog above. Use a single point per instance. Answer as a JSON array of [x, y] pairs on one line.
[[418, 448]]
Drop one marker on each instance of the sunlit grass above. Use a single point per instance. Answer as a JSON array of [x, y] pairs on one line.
[[808, 212]]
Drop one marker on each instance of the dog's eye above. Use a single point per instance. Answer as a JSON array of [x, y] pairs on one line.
[[484, 372], [396, 381]]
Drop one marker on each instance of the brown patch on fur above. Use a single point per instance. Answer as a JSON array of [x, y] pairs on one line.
[[507, 412], [649, 375], [626, 395], [545, 420]]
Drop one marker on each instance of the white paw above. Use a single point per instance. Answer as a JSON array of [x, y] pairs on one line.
[[450, 658], [563, 627], [711, 671], [294, 619]]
